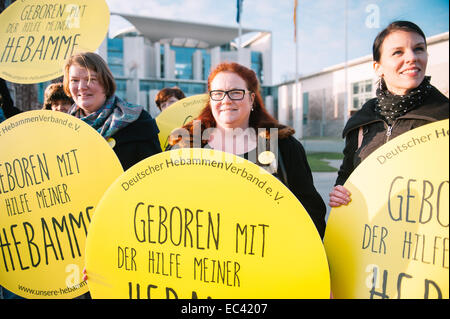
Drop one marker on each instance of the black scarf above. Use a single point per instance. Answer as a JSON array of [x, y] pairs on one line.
[[390, 106]]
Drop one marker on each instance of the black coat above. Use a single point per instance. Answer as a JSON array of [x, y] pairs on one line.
[[434, 108], [137, 141], [300, 181], [6, 103]]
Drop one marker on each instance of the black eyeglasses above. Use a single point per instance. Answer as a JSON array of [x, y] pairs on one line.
[[219, 95]]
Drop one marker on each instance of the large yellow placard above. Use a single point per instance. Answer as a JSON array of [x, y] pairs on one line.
[[36, 36], [392, 239], [201, 223], [178, 114], [54, 168]]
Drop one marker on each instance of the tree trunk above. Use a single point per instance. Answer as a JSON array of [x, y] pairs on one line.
[[26, 96]]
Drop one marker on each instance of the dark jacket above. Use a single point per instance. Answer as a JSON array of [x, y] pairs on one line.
[[6, 102], [300, 180], [137, 141], [376, 131]]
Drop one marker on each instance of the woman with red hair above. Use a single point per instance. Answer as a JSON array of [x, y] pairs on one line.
[[235, 120]]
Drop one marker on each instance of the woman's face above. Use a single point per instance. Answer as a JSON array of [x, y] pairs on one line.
[[230, 113], [85, 88], [61, 106], [403, 61], [168, 103]]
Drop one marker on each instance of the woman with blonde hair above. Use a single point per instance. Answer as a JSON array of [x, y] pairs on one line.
[[131, 131]]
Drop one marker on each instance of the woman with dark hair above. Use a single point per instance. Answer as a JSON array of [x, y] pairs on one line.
[[405, 100], [236, 121], [167, 96], [56, 99], [129, 128]]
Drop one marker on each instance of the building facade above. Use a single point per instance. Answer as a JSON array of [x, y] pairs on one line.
[[158, 53]]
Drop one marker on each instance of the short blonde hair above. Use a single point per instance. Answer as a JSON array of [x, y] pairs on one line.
[[93, 62]]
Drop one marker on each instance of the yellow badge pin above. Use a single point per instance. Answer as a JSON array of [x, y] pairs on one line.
[[266, 157], [111, 142]]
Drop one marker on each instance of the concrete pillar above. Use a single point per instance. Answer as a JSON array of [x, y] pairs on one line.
[[134, 56], [157, 59], [148, 66], [267, 67], [197, 65], [268, 102], [132, 91], [143, 100], [245, 57], [153, 109], [297, 105], [169, 62], [215, 57], [283, 104]]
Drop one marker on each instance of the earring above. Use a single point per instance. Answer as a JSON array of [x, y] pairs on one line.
[[252, 108]]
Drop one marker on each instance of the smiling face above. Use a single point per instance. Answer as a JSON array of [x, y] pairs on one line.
[[86, 89], [169, 102], [231, 113], [61, 106], [403, 61]]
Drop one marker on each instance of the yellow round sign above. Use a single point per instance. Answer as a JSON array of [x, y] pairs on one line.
[[38, 35], [54, 168], [199, 223], [391, 240], [178, 114]]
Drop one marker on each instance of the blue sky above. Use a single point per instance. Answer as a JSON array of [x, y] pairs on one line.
[[321, 24]]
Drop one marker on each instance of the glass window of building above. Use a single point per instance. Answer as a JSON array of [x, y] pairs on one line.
[[115, 56], [206, 67], [257, 65], [184, 62], [162, 60], [305, 107], [121, 89], [192, 88], [361, 93], [188, 87], [147, 85]]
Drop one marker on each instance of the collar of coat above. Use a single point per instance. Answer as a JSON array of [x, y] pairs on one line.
[[434, 108]]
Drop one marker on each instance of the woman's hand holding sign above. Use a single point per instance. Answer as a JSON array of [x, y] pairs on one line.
[[339, 196]]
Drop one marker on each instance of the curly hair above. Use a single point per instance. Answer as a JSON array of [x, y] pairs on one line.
[[55, 92], [167, 93]]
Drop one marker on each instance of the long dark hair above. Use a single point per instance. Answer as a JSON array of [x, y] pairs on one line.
[[392, 27]]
